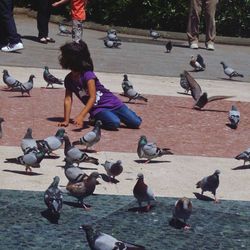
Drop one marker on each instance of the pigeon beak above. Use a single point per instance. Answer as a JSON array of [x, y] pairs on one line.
[[80, 227]]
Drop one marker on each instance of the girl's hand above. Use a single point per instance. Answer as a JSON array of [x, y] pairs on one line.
[[63, 124], [78, 121]]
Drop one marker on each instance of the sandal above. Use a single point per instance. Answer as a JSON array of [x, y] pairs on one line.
[[43, 40], [50, 40]]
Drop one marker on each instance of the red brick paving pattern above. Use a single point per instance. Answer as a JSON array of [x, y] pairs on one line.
[[169, 121]]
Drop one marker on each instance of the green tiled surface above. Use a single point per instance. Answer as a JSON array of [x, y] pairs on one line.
[[214, 226]]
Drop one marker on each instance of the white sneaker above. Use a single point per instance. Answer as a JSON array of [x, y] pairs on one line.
[[210, 46], [12, 47], [194, 45]]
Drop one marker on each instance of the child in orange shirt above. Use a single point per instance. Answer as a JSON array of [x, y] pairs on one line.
[[78, 14]]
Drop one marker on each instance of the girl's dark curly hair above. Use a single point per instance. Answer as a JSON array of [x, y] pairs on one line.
[[75, 56]]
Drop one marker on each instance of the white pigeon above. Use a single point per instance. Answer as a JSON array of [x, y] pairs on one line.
[[112, 44], [154, 34]]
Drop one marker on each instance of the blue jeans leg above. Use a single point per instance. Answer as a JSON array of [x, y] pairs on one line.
[[109, 119]]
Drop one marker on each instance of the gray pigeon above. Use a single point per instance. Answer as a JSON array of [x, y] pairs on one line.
[[198, 63], [154, 34], [92, 137], [31, 159], [53, 197], [28, 142], [101, 241], [63, 30], [245, 155], [9, 80], [149, 150], [132, 94], [73, 173], [112, 35], [234, 117], [230, 72], [50, 79], [126, 84], [182, 210], [201, 99], [112, 44], [74, 154], [210, 183], [169, 46], [142, 192], [1, 129], [84, 188], [25, 87], [184, 83], [113, 169], [53, 142]]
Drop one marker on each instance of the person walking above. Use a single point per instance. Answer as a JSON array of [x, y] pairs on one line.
[[194, 23], [9, 38]]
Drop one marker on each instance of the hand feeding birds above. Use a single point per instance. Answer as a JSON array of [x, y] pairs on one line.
[[51, 79], [92, 137], [201, 99], [113, 169], [150, 150], [198, 63], [143, 193], [230, 71], [102, 241], [234, 117], [210, 183]]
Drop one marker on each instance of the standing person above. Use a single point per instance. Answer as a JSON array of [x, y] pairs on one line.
[[43, 15], [194, 23], [78, 15], [9, 38], [99, 102]]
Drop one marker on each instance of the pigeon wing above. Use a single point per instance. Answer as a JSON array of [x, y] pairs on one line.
[[89, 138], [150, 149], [194, 86], [200, 60], [53, 142]]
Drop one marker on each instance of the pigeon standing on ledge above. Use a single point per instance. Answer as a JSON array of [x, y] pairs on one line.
[[113, 169], [149, 150], [245, 155], [101, 241], [154, 34], [126, 83], [50, 79], [25, 87], [10, 81], [230, 71]]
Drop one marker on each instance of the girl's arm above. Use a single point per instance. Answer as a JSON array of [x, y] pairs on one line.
[[60, 2], [92, 98], [67, 108]]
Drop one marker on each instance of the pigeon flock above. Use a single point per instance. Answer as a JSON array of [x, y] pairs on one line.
[[80, 184]]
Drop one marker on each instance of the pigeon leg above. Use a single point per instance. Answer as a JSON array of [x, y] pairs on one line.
[[28, 168], [187, 227], [86, 208], [147, 161], [54, 154], [216, 200], [148, 207]]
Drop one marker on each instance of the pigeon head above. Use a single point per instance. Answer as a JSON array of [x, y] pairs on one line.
[[56, 180], [223, 64], [143, 139], [125, 77], [98, 123], [1, 119], [119, 162], [217, 172], [60, 132], [46, 68], [140, 176], [5, 71], [94, 175], [31, 78], [234, 108], [86, 227]]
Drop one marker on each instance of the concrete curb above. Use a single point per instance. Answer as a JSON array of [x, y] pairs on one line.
[[142, 34]]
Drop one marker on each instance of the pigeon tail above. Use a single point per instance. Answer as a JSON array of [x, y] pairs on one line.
[[92, 160], [140, 97], [165, 151]]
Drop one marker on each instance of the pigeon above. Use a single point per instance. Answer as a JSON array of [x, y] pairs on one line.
[[10, 81], [230, 72], [198, 63], [112, 35], [245, 155], [234, 117], [111, 31], [102, 241], [209, 183], [196, 92], [53, 197], [73, 173], [112, 44], [154, 34], [53, 142], [169, 46], [184, 83], [92, 137], [25, 87], [182, 210], [132, 94], [126, 84], [50, 79], [32, 159], [113, 168], [63, 30], [142, 192], [84, 188], [74, 154], [149, 150], [1, 130], [28, 142]]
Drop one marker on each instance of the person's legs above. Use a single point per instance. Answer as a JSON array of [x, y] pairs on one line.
[[128, 117], [210, 9], [8, 22], [77, 30], [194, 22], [109, 119]]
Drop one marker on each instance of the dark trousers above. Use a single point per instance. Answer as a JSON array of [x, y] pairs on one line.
[[8, 31], [43, 16]]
